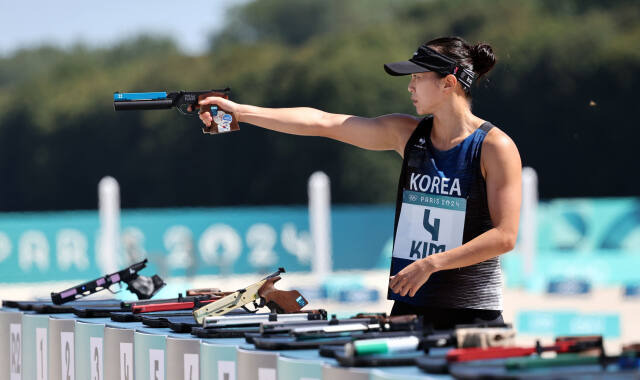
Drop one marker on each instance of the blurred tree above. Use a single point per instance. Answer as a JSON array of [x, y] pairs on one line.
[[563, 87], [294, 23]]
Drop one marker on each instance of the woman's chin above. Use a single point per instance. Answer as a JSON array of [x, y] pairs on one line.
[[423, 111]]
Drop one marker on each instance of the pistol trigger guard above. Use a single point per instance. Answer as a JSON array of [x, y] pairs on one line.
[[183, 109], [120, 288], [249, 310], [112, 292]]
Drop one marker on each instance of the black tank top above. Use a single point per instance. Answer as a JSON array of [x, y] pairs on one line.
[[442, 204]]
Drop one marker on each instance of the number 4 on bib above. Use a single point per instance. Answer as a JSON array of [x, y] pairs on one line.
[[428, 224]]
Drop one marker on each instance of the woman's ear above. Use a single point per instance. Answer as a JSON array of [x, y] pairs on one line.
[[450, 81]]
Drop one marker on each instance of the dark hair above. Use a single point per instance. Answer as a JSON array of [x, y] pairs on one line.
[[479, 58]]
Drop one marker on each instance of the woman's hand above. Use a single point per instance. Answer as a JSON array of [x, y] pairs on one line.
[[412, 277], [223, 104]]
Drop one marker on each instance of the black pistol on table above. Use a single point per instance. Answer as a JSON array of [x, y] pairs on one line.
[[142, 286], [185, 101]]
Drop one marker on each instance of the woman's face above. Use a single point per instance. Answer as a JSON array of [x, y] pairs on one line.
[[425, 91]]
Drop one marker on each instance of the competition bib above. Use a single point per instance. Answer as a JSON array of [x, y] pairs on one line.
[[428, 224]]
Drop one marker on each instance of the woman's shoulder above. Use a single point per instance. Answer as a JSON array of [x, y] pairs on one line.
[[402, 127], [402, 124], [496, 137], [498, 144]]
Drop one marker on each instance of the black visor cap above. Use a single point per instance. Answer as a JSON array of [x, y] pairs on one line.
[[424, 59], [403, 68]]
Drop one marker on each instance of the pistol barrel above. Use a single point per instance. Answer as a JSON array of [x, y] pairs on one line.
[[135, 105]]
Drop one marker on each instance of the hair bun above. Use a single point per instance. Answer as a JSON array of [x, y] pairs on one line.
[[483, 58]]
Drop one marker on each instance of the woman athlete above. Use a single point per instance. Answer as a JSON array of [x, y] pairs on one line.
[[459, 193]]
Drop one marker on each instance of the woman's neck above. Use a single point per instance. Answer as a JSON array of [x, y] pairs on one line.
[[452, 123]]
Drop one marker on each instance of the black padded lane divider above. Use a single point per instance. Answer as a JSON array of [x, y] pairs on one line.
[[223, 332], [48, 307], [291, 343], [378, 360]]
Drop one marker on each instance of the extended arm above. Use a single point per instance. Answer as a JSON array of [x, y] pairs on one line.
[[501, 162], [388, 132]]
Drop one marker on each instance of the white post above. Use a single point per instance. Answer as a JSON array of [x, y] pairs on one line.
[[109, 235], [320, 224], [528, 218]]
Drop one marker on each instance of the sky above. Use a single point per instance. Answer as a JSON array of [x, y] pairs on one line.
[[104, 23]]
